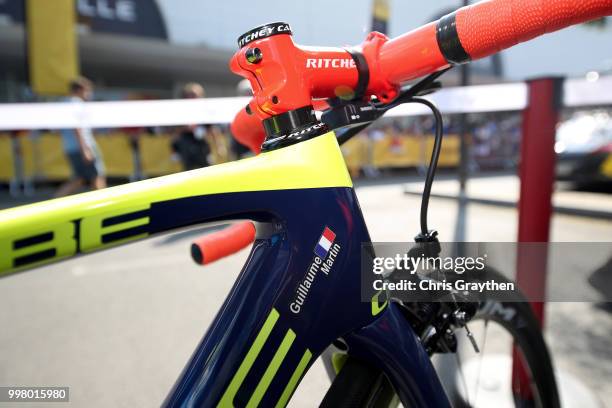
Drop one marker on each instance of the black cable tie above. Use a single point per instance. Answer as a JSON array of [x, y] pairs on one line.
[[362, 70]]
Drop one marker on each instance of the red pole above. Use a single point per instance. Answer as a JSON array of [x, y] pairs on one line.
[[537, 176]]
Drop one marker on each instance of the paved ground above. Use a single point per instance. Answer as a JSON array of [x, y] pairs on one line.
[[504, 190], [118, 327]]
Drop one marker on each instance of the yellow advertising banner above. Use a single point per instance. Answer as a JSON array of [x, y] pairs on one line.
[[52, 45], [380, 16], [381, 10]]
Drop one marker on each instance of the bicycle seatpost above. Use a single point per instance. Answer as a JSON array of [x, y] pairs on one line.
[[287, 79]]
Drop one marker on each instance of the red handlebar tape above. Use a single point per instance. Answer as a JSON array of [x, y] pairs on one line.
[[491, 26], [222, 243], [478, 31]]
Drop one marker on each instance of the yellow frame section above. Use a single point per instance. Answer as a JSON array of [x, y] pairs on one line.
[[316, 163]]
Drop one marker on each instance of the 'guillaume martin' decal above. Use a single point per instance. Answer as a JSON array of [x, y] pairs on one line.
[[326, 251]]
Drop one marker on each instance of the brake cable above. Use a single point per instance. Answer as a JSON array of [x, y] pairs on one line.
[[356, 116], [433, 162]]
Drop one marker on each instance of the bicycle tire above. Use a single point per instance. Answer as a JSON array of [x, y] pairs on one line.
[[360, 385], [519, 320]]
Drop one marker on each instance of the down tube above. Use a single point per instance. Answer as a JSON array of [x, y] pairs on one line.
[[299, 290], [390, 344]]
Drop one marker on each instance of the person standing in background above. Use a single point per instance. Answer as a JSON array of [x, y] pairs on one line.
[[190, 142], [81, 148]]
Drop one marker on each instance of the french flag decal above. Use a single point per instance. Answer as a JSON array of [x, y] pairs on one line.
[[326, 241]]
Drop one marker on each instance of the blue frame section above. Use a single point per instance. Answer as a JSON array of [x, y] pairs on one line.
[[390, 344], [289, 226]]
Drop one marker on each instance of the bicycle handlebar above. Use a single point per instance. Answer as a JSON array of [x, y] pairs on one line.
[[480, 30], [220, 244], [247, 129], [492, 26], [286, 77]]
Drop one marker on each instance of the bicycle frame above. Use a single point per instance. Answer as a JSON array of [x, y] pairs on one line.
[[298, 291]]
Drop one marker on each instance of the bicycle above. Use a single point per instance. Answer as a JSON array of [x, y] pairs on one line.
[[299, 291]]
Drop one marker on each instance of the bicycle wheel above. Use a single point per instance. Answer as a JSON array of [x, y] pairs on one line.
[[508, 335], [505, 332]]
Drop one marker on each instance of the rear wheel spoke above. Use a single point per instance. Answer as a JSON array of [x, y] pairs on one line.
[[483, 345]]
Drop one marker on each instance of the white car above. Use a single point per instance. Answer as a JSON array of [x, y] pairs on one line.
[[584, 148]]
